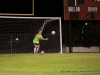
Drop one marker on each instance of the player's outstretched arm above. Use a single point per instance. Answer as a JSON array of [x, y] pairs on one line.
[[43, 38]]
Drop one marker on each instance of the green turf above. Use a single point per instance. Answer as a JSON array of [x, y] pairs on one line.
[[50, 64]]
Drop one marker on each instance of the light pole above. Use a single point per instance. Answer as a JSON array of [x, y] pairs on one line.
[[70, 38]]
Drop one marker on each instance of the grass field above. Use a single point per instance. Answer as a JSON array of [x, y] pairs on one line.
[[50, 64]]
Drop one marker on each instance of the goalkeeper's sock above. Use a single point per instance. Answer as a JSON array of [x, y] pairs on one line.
[[34, 50], [37, 50]]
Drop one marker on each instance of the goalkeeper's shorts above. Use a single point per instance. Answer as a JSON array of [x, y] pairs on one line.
[[36, 44]]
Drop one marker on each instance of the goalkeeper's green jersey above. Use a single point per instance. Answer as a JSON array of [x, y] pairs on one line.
[[36, 38]]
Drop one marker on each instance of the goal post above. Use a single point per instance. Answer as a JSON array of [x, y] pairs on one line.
[[17, 34]]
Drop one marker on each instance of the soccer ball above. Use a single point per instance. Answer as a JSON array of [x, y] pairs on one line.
[[53, 32], [42, 51]]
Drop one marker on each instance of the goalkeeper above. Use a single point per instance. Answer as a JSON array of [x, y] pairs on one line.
[[36, 39]]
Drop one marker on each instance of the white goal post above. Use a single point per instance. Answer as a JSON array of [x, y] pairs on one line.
[[24, 29]]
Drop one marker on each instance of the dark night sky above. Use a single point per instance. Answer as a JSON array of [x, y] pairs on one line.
[[51, 8], [42, 8]]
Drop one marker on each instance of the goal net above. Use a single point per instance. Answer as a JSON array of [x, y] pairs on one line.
[[17, 34]]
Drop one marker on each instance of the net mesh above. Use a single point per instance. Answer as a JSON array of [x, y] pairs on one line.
[[17, 35]]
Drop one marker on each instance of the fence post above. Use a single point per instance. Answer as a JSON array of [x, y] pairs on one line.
[[11, 43]]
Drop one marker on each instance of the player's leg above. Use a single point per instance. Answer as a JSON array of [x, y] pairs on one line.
[[38, 46], [35, 48]]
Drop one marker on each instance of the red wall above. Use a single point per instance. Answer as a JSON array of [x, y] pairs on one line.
[[83, 10]]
